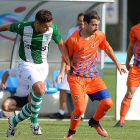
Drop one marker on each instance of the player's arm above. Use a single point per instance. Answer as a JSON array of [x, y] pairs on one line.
[[5, 27], [63, 49], [70, 48], [132, 41], [4, 79], [61, 45], [63, 66], [104, 45], [129, 55], [61, 74], [109, 51]]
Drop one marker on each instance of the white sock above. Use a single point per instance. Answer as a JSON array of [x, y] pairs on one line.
[[83, 116], [62, 112]]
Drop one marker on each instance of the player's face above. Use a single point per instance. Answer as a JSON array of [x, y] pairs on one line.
[[93, 26], [80, 22], [43, 27]]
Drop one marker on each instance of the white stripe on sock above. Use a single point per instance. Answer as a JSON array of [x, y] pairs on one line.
[[34, 115], [35, 103], [39, 98], [22, 116], [16, 117], [26, 112], [34, 109]]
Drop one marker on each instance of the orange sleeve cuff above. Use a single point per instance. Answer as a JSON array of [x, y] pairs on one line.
[[132, 40]]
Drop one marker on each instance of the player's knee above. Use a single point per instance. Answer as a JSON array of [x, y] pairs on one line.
[[81, 110], [107, 103], [5, 106], [39, 88]]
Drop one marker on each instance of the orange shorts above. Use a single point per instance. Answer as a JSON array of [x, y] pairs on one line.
[[94, 87], [134, 77]]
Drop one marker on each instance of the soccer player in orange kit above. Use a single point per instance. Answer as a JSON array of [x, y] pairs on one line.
[[84, 78], [133, 80]]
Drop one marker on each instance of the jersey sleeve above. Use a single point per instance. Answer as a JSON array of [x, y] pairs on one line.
[[13, 72], [104, 44], [132, 37], [16, 27], [70, 45], [56, 34]]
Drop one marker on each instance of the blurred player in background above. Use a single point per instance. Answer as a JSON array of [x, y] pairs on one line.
[[20, 98], [133, 80]]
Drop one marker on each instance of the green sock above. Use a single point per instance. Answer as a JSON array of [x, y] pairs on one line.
[[36, 102], [25, 113]]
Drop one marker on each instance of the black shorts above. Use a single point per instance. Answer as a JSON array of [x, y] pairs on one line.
[[21, 101]]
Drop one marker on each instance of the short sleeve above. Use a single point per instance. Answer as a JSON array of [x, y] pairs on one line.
[[16, 27], [13, 72], [70, 46], [104, 44], [132, 37], [56, 34]]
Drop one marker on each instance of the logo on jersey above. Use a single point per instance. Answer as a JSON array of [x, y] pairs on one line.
[[75, 97], [48, 37], [26, 35], [35, 48], [18, 26], [92, 45]]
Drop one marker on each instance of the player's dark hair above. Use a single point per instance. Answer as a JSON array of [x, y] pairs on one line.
[[91, 15], [44, 16], [79, 15]]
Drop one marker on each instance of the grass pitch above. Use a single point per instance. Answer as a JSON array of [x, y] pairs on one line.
[[56, 130]]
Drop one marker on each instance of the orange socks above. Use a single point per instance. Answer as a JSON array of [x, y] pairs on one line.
[[101, 111], [103, 108], [76, 116], [124, 108]]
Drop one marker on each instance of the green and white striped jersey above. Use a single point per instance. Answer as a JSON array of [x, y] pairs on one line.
[[34, 46]]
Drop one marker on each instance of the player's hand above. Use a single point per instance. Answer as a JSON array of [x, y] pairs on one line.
[[60, 76], [128, 66], [121, 68], [2, 87], [68, 68]]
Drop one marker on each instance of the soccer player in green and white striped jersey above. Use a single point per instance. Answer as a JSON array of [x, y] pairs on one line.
[[33, 66]]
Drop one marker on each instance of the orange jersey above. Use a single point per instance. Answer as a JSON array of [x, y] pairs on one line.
[[135, 38], [83, 53]]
